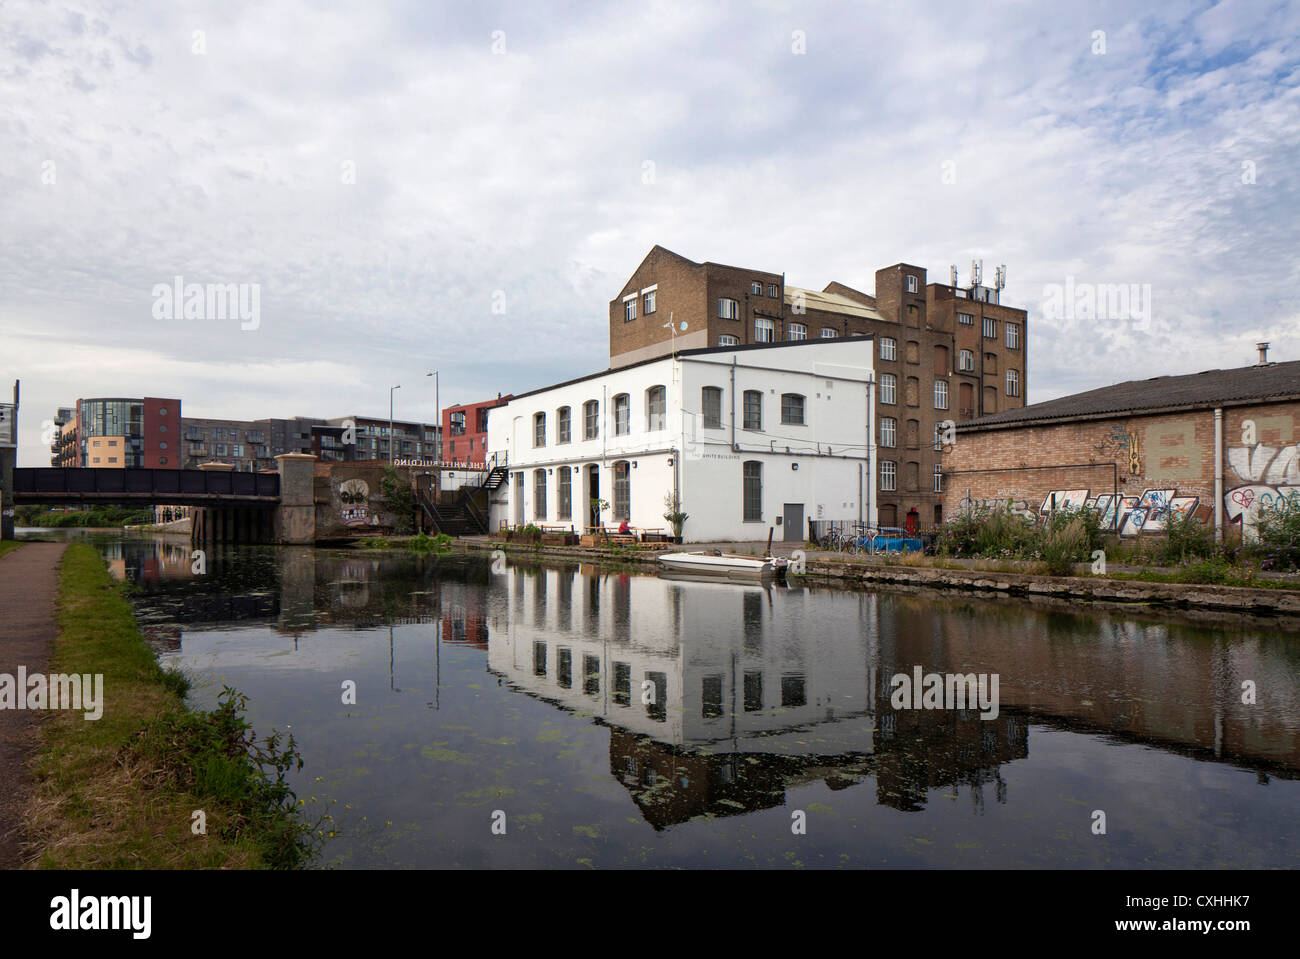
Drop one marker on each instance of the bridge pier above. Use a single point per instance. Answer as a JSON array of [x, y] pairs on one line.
[[295, 518]]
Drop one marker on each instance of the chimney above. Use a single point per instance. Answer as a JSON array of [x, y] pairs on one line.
[[1263, 353]]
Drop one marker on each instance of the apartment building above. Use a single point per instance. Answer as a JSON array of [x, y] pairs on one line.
[[943, 351], [410, 440], [748, 438], [118, 432], [465, 428]]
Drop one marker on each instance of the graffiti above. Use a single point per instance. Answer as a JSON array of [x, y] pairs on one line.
[[1018, 507], [354, 497], [1064, 499], [1264, 464], [1245, 504], [1123, 446]]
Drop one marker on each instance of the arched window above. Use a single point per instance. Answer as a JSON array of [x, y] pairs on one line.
[[563, 493], [562, 425], [711, 407], [622, 414], [539, 494], [753, 491], [753, 410], [622, 490], [539, 429], [590, 420], [656, 408], [792, 409]]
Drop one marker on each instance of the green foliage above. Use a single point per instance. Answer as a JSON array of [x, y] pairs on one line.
[[1066, 537], [217, 754], [673, 513], [423, 543], [532, 531], [96, 516], [399, 499], [1278, 527]]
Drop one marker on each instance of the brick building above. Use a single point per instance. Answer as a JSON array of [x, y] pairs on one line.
[[1141, 450], [944, 352], [464, 431], [119, 433]]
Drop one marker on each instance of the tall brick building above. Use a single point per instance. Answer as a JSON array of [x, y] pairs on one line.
[[944, 352]]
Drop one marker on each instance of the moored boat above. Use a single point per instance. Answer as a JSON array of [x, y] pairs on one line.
[[716, 562]]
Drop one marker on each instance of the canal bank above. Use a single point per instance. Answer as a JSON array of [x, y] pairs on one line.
[[1282, 600], [147, 783]]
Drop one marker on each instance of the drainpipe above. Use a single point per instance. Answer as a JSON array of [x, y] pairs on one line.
[[871, 389], [733, 403], [1218, 474]]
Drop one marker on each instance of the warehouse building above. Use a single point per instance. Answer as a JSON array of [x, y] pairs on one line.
[[1220, 445]]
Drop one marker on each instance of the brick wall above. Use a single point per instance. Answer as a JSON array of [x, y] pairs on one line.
[[1173, 451]]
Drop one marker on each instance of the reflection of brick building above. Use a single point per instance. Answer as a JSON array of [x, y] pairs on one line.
[[944, 351]]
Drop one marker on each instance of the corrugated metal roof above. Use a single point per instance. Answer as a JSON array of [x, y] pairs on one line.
[[1189, 391], [831, 303]]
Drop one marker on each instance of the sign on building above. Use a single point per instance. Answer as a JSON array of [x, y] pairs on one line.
[[8, 425]]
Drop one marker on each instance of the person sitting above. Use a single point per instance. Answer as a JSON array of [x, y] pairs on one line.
[[624, 528]]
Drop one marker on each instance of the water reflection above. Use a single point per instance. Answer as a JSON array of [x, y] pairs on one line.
[[574, 693]]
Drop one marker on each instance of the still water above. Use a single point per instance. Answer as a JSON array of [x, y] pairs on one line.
[[521, 697]]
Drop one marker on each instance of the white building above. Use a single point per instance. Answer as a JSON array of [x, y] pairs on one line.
[[749, 437]]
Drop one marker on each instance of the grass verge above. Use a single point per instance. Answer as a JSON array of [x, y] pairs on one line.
[[121, 792], [8, 545]]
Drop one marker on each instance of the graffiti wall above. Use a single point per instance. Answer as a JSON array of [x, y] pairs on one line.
[[1269, 478]]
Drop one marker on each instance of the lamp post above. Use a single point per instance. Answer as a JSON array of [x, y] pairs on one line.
[[437, 413], [390, 421]]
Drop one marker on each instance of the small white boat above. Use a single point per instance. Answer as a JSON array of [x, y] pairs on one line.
[[716, 562]]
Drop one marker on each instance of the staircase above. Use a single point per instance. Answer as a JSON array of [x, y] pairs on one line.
[[458, 518], [495, 477]]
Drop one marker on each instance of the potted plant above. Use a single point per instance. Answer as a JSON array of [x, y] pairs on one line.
[[676, 518]]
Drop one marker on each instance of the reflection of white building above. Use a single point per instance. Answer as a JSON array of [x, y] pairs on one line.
[[748, 437], [603, 643]]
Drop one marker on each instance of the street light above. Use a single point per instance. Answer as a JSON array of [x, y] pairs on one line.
[[390, 422], [437, 413]]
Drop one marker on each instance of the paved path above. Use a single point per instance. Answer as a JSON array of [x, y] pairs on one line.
[[29, 586]]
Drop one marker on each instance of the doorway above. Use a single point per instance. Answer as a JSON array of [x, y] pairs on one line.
[[793, 523], [593, 493]]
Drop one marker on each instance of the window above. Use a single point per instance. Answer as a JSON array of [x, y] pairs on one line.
[[629, 309], [828, 333], [162, 411], [162, 428], [564, 493], [773, 290], [728, 340], [764, 330], [591, 420], [888, 431], [1013, 336], [938, 436], [888, 348], [622, 490], [756, 288], [753, 419], [753, 491], [940, 394], [965, 360], [990, 328], [792, 409], [655, 400], [539, 429], [938, 478], [711, 407], [797, 331], [561, 426], [1013, 382], [458, 423], [888, 388], [648, 302], [728, 309], [911, 284], [966, 319], [622, 414], [539, 494], [888, 476]]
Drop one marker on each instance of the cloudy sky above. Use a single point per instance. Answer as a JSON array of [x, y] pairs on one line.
[[387, 173]]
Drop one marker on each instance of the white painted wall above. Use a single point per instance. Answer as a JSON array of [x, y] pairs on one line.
[[815, 465]]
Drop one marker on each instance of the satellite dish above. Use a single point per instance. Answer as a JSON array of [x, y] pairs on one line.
[[683, 326]]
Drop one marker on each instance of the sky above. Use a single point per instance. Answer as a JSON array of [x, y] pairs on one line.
[[463, 187]]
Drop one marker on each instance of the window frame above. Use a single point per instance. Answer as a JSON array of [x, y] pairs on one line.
[[803, 409], [889, 477], [889, 432], [751, 511], [653, 416], [889, 397], [764, 325], [728, 309], [708, 422], [591, 420], [563, 425], [539, 429], [888, 348], [626, 404], [758, 411], [940, 394]]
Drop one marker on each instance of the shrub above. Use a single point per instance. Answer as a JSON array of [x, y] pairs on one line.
[[1065, 541], [1278, 527]]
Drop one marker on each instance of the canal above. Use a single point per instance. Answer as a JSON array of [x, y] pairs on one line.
[[574, 716]]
